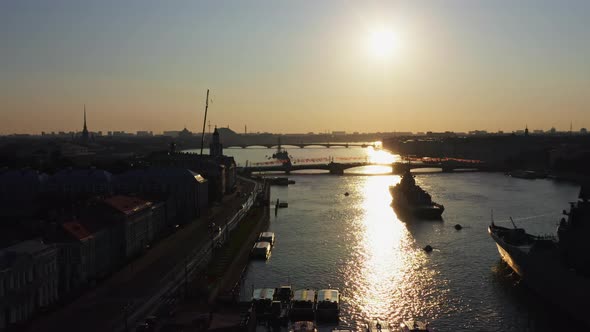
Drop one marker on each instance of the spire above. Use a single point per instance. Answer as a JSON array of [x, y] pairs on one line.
[[85, 128], [85, 135]]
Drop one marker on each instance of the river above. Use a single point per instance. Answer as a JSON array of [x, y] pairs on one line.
[[357, 244]]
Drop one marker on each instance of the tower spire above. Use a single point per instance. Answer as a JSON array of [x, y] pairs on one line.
[[85, 135]]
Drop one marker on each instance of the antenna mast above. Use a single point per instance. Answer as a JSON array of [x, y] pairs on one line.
[[204, 122]]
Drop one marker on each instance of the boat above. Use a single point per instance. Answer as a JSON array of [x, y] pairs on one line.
[[378, 326], [328, 305], [284, 294], [409, 200], [303, 326], [282, 155], [280, 304], [414, 326], [557, 268], [262, 302], [279, 181], [267, 237], [303, 304], [261, 250]]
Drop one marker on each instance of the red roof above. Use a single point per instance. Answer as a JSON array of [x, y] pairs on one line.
[[126, 204], [77, 230]]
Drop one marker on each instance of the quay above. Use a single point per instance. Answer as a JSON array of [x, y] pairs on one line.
[[158, 277]]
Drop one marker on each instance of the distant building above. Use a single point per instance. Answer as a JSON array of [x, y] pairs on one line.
[[75, 183], [28, 281], [144, 133], [185, 133], [338, 132], [171, 133], [583, 131]]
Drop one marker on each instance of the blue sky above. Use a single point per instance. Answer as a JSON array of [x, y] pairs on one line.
[[294, 66]]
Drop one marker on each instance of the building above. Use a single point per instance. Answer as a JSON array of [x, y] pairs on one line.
[[73, 183], [185, 190], [28, 281], [135, 216], [76, 256], [229, 164], [20, 192]]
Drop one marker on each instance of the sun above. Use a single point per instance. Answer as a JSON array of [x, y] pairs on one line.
[[383, 42]]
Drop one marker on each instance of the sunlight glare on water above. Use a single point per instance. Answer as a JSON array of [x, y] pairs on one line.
[[387, 275]]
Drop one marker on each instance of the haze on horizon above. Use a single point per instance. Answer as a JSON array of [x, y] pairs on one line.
[[294, 66]]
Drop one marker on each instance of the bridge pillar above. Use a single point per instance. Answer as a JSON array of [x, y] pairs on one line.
[[336, 169], [447, 169]]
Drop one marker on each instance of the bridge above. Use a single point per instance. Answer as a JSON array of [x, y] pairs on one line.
[[396, 168], [300, 145]]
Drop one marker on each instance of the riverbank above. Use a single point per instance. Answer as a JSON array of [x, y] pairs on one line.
[[214, 292]]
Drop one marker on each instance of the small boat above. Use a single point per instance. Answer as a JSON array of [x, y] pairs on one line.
[[267, 237], [378, 326], [328, 305], [279, 312], [280, 304], [303, 304], [262, 301], [303, 326], [261, 250], [414, 326], [284, 294]]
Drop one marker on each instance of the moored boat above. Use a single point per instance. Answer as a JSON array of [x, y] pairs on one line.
[[558, 269], [303, 304], [261, 250], [328, 305], [378, 326], [303, 326], [267, 237], [262, 301], [415, 326]]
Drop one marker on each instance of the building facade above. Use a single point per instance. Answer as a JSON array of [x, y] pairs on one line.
[[28, 281]]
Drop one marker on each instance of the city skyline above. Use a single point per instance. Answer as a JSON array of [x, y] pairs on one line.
[[295, 67]]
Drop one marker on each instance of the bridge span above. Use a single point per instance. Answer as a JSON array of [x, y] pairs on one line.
[[300, 145], [339, 168]]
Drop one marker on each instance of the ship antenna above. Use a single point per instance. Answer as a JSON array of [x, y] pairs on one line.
[[513, 224], [492, 215]]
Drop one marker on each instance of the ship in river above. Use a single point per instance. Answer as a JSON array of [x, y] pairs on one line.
[[411, 200], [557, 268], [282, 155]]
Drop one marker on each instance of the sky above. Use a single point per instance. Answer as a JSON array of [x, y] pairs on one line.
[[294, 66]]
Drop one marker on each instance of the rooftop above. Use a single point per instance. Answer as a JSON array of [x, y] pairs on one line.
[[126, 204]]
